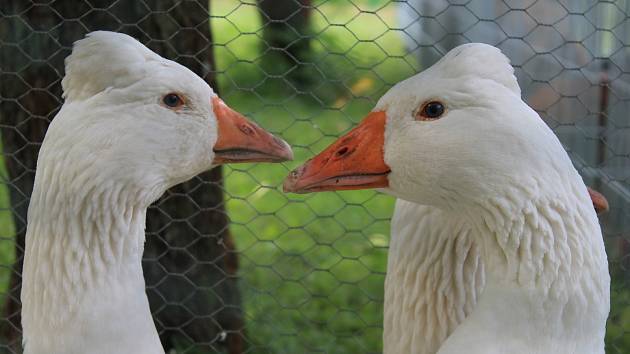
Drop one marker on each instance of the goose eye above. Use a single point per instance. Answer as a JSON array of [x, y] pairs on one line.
[[431, 111], [173, 100]]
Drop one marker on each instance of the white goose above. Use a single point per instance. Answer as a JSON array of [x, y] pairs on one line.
[[133, 124], [459, 138]]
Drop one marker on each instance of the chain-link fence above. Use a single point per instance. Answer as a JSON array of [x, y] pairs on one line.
[[297, 274]]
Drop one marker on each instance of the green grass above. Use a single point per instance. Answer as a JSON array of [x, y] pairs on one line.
[[7, 233], [312, 267]]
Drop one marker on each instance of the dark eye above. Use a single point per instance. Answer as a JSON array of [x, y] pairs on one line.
[[431, 111], [173, 100]]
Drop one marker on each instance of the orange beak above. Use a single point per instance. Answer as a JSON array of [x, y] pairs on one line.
[[241, 140], [354, 161], [599, 201]]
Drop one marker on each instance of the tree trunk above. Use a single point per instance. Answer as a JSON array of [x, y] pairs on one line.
[[190, 263], [287, 35]]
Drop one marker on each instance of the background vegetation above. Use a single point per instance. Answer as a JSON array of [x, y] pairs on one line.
[[312, 266]]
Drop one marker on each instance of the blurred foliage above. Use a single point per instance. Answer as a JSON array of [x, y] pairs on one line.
[[7, 232], [312, 266]]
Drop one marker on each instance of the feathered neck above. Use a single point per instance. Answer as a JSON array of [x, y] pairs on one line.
[[547, 286], [434, 276], [536, 238], [83, 287]]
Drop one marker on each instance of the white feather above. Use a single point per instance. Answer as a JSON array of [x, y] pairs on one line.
[[111, 151], [502, 178]]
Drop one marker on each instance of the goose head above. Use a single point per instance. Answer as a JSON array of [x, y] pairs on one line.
[[457, 125], [132, 125], [133, 115], [455, 132]]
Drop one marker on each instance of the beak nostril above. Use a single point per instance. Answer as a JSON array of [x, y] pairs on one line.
[[295, 174], [342, 151], [247, 129]]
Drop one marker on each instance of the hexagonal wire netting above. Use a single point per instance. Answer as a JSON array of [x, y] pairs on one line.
[[305, 273]]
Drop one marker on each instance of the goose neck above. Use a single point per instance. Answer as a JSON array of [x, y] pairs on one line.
[[547, 280], [82, 281]]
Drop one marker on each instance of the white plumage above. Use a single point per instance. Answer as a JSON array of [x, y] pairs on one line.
[[547, 277], [488, 162], [434, 277], [116, 145]]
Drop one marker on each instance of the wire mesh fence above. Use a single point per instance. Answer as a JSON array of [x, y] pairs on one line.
[[298, 274]]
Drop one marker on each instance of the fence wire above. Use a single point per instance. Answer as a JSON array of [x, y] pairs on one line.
[[304, 274]]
